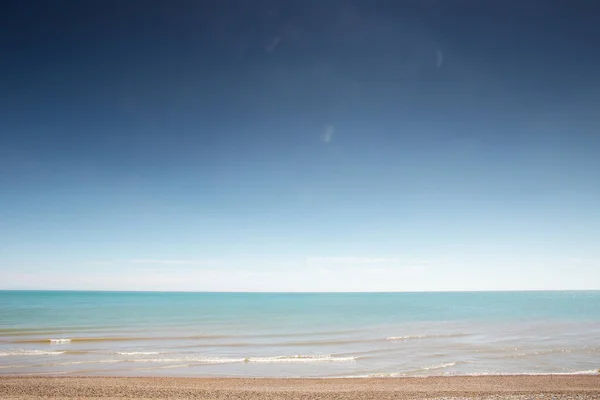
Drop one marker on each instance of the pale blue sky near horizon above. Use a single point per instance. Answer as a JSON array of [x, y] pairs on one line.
[[299, 146]]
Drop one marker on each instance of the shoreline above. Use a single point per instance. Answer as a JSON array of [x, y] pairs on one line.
[[432, 387]]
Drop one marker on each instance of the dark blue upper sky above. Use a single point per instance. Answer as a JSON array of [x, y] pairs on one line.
[[256, 135]]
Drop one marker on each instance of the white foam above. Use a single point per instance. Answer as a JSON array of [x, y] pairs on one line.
[[23, 352], [226, 360], [89, 362], [411, 374], [197, 360], [13, 366], [439, 366], [425, 336], [378, 375], [299, 359], [137, 353], [586, 372], [60, 341], [408, 337], [213, 360], [537, 353]]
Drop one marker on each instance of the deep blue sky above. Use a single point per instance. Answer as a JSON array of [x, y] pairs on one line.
[[300, 145]]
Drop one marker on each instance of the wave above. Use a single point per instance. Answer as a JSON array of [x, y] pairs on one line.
[[195, 359], [83, 339], [438, 366], [87, 362], [425, 336], [300, 359], [137, 353], [336, 332], [537, 353], [411, 375], [584, 372], [250, 360], [325, 342], [378, 375], [118, 339], [190, 360], [23, 352], [208, 338], [408, 337], [307, 343], [60, 341]]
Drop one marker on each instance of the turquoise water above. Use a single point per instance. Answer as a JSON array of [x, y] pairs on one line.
[[305, 335]]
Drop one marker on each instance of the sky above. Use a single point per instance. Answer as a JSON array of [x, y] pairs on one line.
[[306, 145]]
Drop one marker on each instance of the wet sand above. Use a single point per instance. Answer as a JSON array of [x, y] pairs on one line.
[[481, 387]]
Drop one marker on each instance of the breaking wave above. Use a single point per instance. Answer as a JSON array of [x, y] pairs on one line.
[[438, 366], [23, 352], [299, 359], [60, 341], [424, 336], [408, 337], [257, 360]]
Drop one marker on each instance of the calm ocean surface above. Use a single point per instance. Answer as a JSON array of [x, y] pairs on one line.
[[298, 335]]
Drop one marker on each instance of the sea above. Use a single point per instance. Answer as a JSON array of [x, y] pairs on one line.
[[325, 335]]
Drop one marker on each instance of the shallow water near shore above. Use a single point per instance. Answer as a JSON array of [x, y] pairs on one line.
[[299, 335]]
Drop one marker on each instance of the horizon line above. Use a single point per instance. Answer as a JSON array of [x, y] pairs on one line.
[[300, 292]]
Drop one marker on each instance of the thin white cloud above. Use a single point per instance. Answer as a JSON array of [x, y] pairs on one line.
[[575, 260], [460, 270], [328, 134], [122, 262], [349, 260], [439, 58], [169, 262], [100, 263], [271, 47], [456, 274]]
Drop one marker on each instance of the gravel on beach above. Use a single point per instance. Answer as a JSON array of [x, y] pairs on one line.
[[543, 387]]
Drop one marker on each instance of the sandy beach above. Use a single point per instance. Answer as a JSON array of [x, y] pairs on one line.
[[482, 387]]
